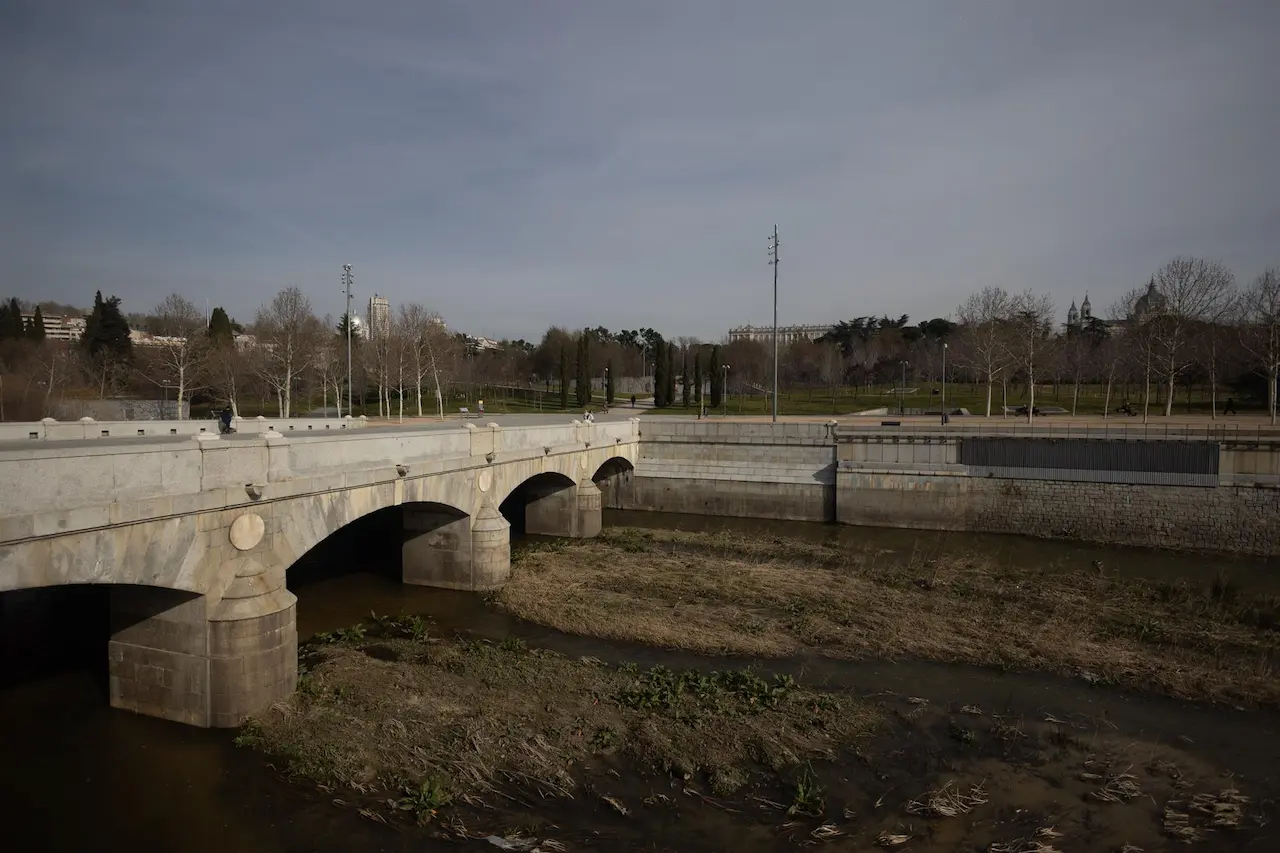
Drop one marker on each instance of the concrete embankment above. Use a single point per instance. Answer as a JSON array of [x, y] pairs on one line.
[[1193, 491]]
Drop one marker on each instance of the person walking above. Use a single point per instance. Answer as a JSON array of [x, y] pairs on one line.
[[1230, 407]]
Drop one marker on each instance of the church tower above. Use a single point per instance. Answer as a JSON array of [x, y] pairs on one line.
[[1086, 310], [1073, 316]]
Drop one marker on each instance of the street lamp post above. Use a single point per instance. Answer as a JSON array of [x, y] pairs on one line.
[[944, 384], [773, 253], [346, 281], [604, 389], [724, 388]]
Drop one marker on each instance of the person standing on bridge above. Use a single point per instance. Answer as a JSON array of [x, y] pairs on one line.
[[224, 421]]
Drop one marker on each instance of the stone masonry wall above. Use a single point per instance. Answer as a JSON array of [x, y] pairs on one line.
[[1239, 519], [747, 470], [798, 471]]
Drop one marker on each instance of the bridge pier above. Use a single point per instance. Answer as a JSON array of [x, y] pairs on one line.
[[184, 657], [555, 509], [444, 549]]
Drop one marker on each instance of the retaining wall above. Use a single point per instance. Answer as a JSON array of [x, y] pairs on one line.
[[745, 470], [813, 472]]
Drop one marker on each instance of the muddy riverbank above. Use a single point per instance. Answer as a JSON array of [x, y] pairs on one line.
[[984, 705], [597, 756], [776, 596]]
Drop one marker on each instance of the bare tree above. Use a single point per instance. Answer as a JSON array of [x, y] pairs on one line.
[[54, 367], [181, 358], [1260, 330], [227, 369], [1192, 292], [1108, 357], [287, 333], [1136, 352], [984, 332], [427, 345], [1030, 338], [330, 366], [831, 370]]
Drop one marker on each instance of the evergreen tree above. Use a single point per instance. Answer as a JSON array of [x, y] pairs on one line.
[[355, 330], [608, 383], [697, 378], [4, 321], [584, 370], [12, 328], [106, 332], [36, 330], [564, 376], [659, 375], [671, 375], [684, 381], [220, 326], [717, 377]]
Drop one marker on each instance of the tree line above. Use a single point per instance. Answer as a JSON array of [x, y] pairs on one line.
[[1190, 326]]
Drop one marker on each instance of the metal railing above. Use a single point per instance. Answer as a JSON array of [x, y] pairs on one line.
[[1221, 433]]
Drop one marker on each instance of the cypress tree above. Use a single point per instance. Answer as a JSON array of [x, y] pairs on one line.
[[684, 381], [697, 378], [717, 391], [584, 370], [659, 375], [608, 383], [13, 328], [106, 332], [671, 375], [4, 321], [36, 330], [220, 326], [564, 376]]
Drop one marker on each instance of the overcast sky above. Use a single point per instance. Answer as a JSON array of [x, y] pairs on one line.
[[620, 163]]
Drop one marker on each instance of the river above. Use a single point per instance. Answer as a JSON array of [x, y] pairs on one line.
[[78, 775]]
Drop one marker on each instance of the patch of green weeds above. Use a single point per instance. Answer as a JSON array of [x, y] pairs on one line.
[[424, 801], [808, 799], [661, 689]]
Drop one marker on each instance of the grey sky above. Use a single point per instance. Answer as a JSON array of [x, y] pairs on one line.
[[515, 164]]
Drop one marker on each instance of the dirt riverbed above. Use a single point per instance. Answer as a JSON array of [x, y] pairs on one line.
[[462, 738]]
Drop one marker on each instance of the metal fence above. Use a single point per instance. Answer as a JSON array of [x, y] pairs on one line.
[[1221, 433]]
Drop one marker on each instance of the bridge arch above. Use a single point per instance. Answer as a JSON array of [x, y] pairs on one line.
[[554, 503], [613, 479]]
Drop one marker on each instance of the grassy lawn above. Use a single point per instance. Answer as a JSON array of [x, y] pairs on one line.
[[847, 400]]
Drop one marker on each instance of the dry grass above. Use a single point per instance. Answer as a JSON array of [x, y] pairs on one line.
[[948, 801], [722, 593], [415, 723]]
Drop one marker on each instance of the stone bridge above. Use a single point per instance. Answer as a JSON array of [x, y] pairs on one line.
[[195, 535]]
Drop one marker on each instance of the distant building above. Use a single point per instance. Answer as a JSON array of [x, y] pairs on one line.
[[786, 334], [379, 316], [478, 344], [1082, 317], [59, 328], [146, 339], [1151, 302]]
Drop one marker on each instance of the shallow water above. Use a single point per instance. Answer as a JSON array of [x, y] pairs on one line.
[[78, 773]]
